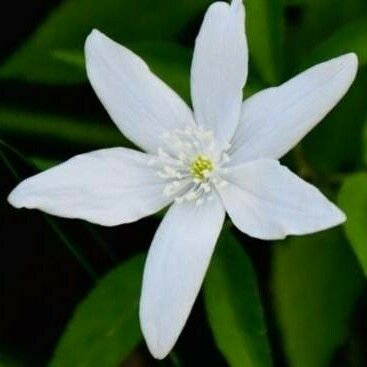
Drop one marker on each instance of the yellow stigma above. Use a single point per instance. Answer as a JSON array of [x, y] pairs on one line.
[[201, 166]]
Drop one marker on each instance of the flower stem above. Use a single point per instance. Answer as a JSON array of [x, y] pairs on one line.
[[101, 242], [174, 359], [76, 253]]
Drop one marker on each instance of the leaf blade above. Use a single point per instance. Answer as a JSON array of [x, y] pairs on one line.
[[313, 298], [105, 327], [352, 199], [349, 38], [58, 128], [124, 21], [265, 35], [234, 307]]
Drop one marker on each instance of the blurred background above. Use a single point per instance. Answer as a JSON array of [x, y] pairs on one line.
[[69, 290]]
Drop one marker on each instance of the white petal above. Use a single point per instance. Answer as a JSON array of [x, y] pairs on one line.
[[107, 187], [267, 201], [219, 69], [174, 271], [276, 119], [140, 104]]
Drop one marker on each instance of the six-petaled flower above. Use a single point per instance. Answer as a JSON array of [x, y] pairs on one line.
[[220, 157]]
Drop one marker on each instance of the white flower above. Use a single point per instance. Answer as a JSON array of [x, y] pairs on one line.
[[223, 157]]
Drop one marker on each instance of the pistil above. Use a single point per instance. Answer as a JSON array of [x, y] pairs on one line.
[[190, 164], [201, 167]]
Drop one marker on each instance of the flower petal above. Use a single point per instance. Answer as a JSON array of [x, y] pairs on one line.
[[219, 69], [107, 187], [276, 119], [140, 104], [267, 201], [175, 268]]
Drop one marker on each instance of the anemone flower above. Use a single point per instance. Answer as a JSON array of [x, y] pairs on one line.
[[221, 156]]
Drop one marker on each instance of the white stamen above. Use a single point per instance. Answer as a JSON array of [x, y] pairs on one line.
[[206, 173], [206, 188], [225, 158], [189, 165], [191, 195]]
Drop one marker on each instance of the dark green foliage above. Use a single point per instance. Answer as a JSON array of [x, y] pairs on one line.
[[58, 307]]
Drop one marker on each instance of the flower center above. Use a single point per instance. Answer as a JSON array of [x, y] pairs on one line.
[[190, 164], [201, 167]]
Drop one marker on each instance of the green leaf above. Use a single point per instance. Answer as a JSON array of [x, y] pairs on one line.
[[105, 327], [315, 281], [42, 163], [365, 143], [353, 200], [265, 36], [234, 307], [125, 21], [13, 164], [336, 144], [316, 21], [350, 38], [48, 128], [72, 58], [8, 361], [170, 61]]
